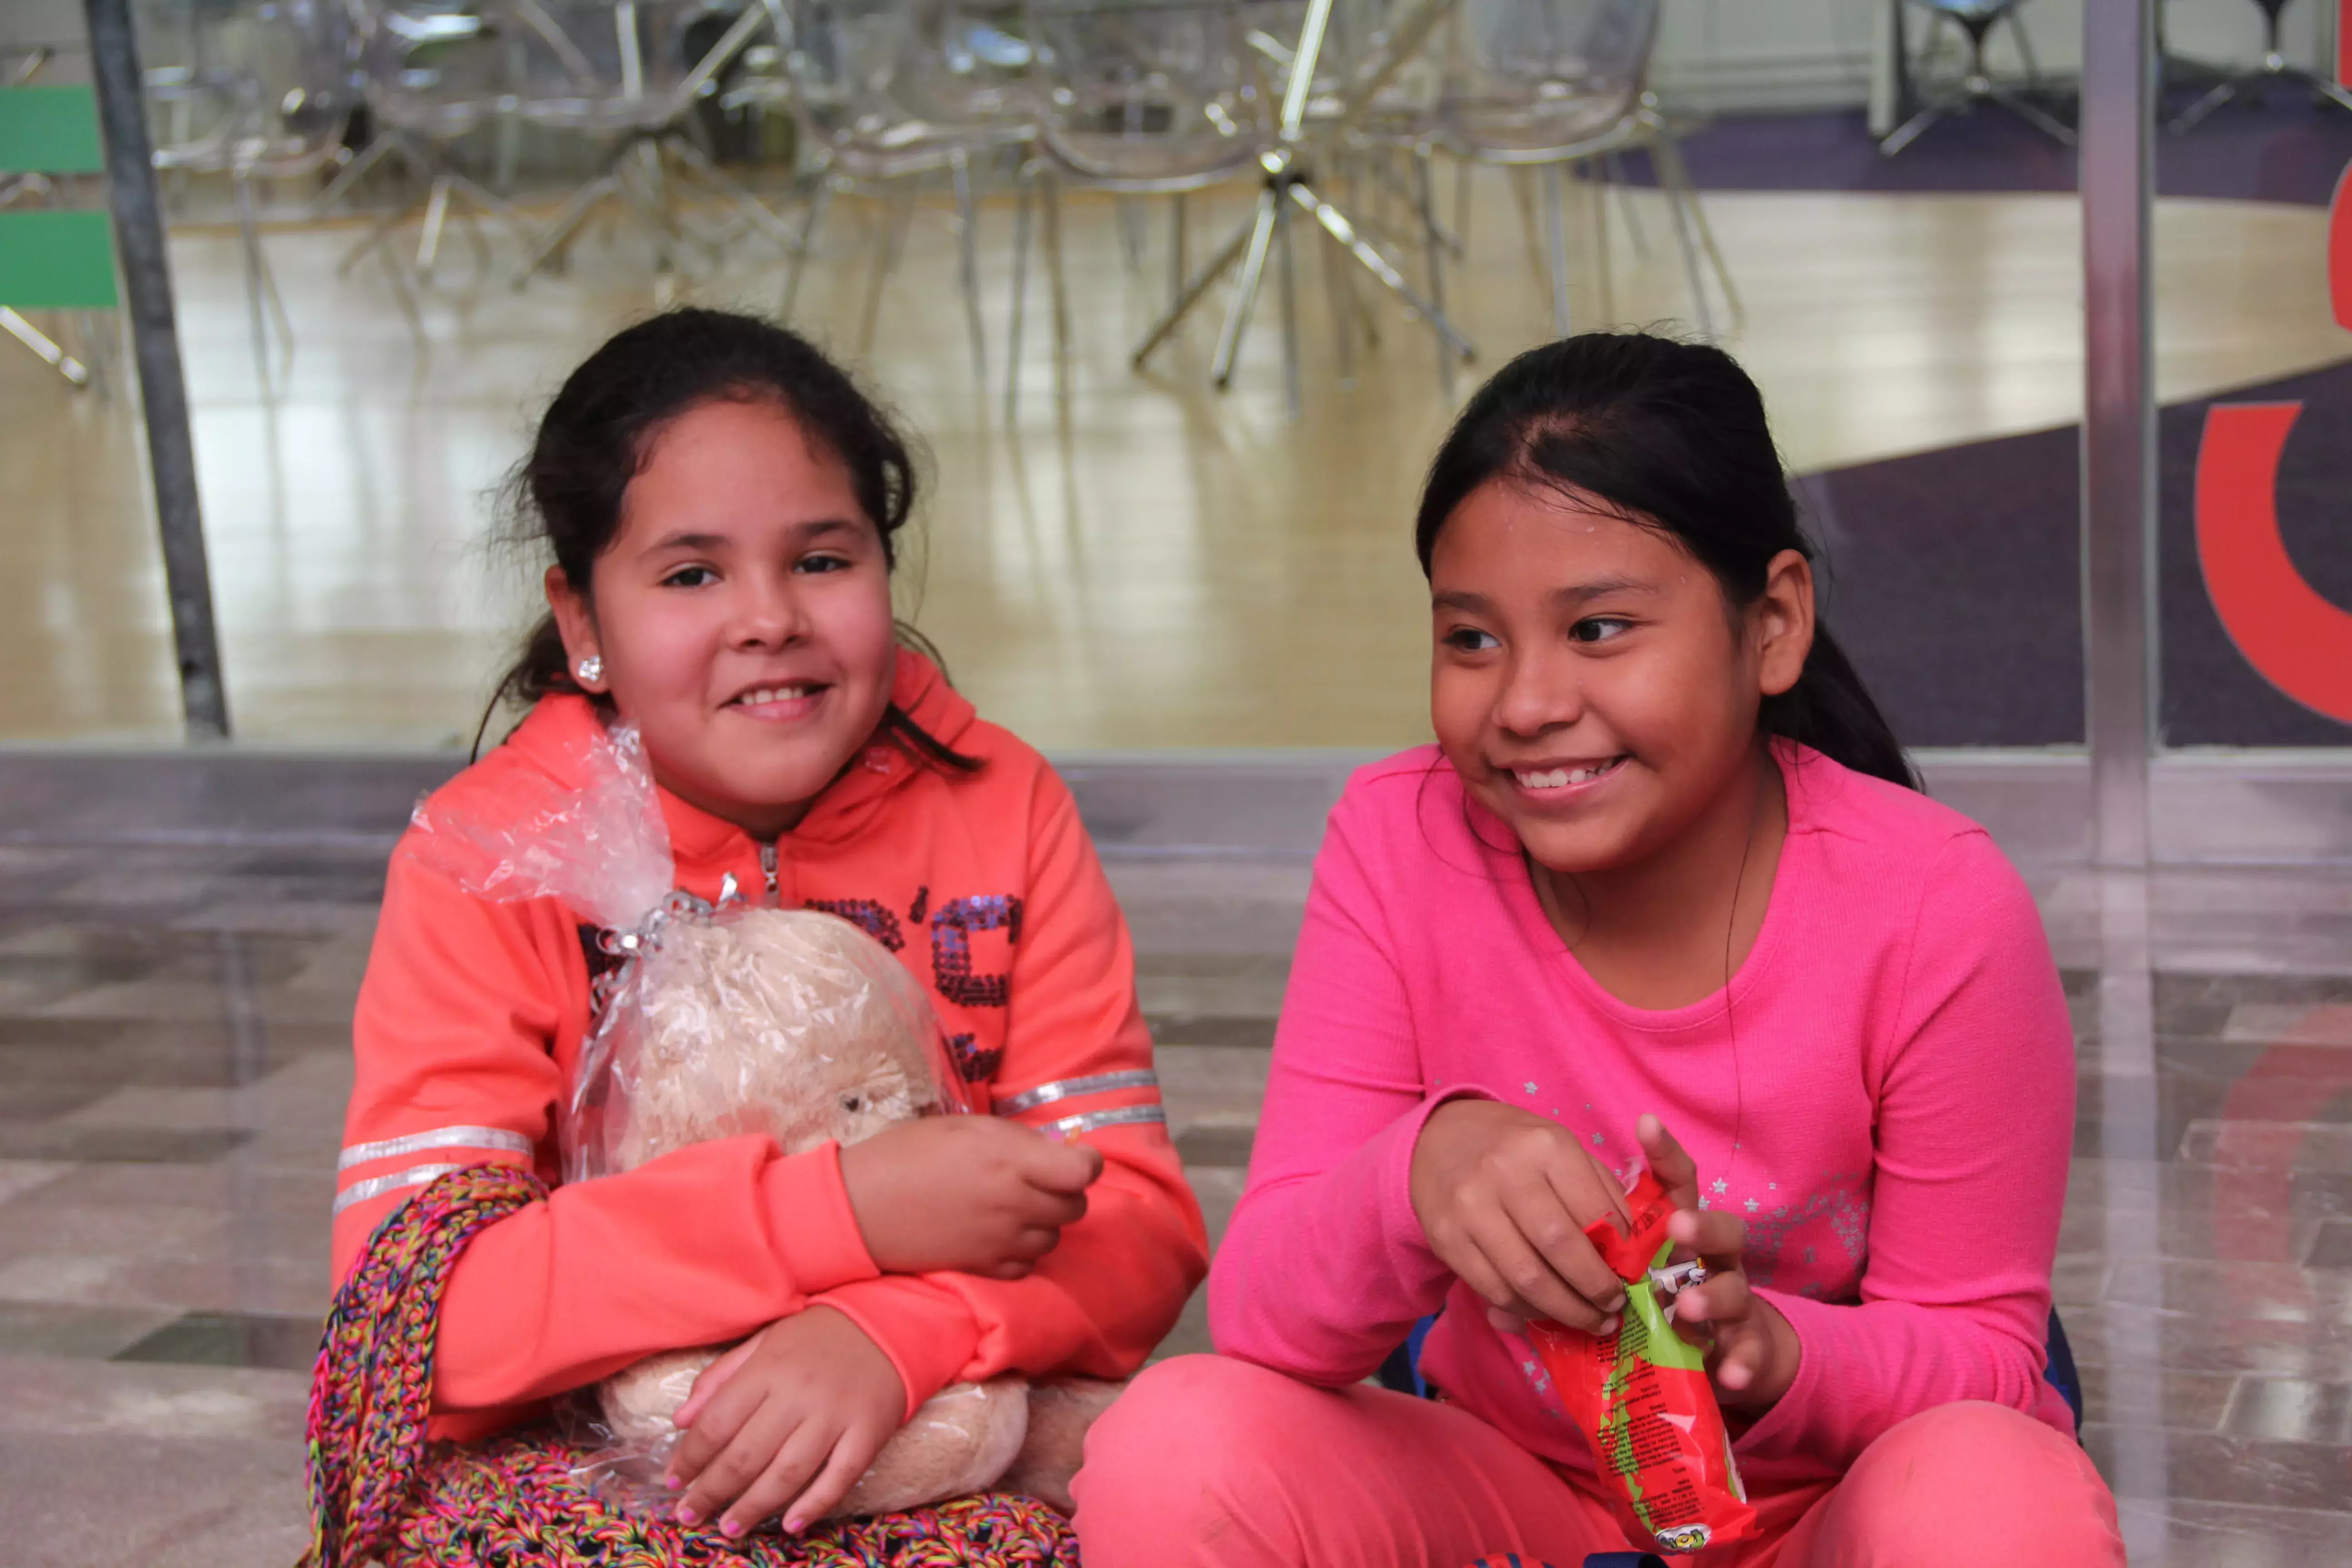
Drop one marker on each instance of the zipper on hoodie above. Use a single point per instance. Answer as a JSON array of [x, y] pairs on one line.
[[768, 868]]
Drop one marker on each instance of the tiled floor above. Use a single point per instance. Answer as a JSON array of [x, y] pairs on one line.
[[174, 1056]]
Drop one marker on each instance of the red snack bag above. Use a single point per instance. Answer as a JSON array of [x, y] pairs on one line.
[[1642, 1397]]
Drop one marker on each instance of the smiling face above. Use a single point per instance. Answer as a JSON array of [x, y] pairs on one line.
[[1588, 681], [742, 614]]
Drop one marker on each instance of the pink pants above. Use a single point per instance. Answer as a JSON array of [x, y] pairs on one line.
[[1214, 1462]]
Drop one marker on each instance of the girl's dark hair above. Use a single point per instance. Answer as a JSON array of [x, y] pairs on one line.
[[1672, 436], [598, 432]]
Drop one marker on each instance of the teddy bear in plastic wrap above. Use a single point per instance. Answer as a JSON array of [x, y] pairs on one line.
[[795, 1024]]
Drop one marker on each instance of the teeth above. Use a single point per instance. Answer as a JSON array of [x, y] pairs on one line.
[[1561, 778], [772, 694]]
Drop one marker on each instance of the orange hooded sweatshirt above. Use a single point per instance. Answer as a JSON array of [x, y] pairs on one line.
[[985, 885]]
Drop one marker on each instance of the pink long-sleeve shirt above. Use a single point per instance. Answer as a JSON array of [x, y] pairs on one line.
[[1884, 1092]]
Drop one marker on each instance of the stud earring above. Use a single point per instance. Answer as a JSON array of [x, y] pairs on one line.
[[590, 669]]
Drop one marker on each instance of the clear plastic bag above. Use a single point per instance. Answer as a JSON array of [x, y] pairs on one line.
[[719, 1020]]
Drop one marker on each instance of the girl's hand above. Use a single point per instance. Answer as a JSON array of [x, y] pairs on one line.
[[786, 1421], [968, 1193], [1504, 1196], [1752, 1353]]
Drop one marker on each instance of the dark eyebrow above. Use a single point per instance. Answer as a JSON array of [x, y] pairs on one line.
[[1468, 604], [712, 544], [1599, 588]]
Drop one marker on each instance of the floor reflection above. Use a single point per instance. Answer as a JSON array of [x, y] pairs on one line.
[[1147, 564]]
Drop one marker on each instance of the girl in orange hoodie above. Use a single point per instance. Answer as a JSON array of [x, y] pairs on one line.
[[722, 504]]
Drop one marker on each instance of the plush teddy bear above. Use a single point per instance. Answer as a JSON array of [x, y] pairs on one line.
[[795, 1024]]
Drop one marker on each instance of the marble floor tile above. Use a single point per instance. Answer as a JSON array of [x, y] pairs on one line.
[[169, 1121], [2212, 1467], [2291, 1410], [53, 1396], [231, 1339], [78, 1332], [213, 1502], [2191, 1534]]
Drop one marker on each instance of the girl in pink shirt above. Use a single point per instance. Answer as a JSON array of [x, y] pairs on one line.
[[1663, 893]]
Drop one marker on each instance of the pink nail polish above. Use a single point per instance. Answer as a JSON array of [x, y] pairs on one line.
[[731, 1528], [795, 1525], [673, 1482]]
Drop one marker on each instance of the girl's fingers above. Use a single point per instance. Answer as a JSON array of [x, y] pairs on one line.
[[736, 1468], [713, 1378], [852, 1453], [1676, 1171], [1717, 1235], [714, 1427], [1548, 1227], [1530, 1288], [1723, 1300], [1740, 1357], [801, 1456]]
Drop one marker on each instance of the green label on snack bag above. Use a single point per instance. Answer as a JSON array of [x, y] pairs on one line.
[[1645, 1343]]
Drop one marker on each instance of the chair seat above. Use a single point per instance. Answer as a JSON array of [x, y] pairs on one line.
[[1149, 164], [433, 117], [611, 114]]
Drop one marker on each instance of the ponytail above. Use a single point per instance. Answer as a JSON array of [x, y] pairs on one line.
[[1831, 710], [1672, 436]]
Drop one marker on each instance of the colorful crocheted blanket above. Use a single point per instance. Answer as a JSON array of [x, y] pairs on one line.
[[380, 1494]]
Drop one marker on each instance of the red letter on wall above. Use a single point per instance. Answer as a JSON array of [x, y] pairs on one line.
[[2300, 642]]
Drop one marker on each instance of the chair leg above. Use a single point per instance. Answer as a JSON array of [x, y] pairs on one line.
[[1260, 237], [1682, 204], [1023, 196], [1058, 275], [968, 259], [1339, 290], [2025, 46], [1178, 260], [437, 212], [1130, 231], [352, 172], [1463, 169], [1556, 237], [406, 294], [1425, 184], [1343, 233], [751, 208], [2033, 114], [567, 224], [1596, 186], [1292, 394], [1682, 195], [1628, 208], [262, 299], [41, 344], [1201, 283], [1522, 182], [895, 224], [820, 202]]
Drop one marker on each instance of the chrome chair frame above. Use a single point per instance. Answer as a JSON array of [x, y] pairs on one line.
[[2274, 69], [1978, 85], [1287, 179], [652, 144], [1056, 161], [420, 145], [889, 161]]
